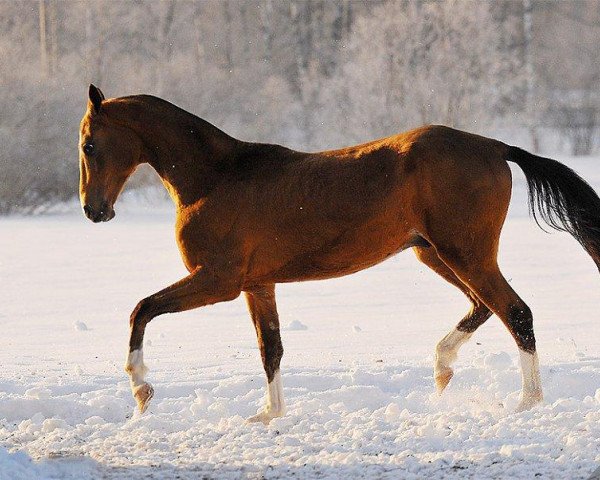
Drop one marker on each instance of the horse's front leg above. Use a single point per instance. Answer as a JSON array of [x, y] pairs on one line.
[[261, 303], [202, 287]]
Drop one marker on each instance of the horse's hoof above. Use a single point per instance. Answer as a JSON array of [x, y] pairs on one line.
[[264, 417], [143, 394], [527, 403], [442, 378]]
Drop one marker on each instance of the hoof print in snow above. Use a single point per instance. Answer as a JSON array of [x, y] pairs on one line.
[[80, 326]]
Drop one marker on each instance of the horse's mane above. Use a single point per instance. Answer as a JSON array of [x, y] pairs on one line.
[[161, 110]]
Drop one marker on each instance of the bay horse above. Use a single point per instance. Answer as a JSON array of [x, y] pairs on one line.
[[251, 215]]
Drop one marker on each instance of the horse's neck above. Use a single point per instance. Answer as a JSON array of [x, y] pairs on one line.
[[189, 158]]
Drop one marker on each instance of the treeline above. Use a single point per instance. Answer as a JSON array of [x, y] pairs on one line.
[[310, 74]]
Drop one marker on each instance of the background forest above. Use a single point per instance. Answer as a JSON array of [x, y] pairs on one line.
[[309, 74]]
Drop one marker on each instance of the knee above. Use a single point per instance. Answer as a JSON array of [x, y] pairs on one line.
[[141, 313]]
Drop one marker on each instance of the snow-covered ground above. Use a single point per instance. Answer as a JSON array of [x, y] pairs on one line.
[[357, 369]]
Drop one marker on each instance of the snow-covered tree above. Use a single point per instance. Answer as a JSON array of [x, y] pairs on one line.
[[414, 63]]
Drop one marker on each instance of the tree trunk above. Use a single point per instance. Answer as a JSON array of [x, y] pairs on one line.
[[92, 44], [199, 50], [43, 39], [529, 72], [267, 29], [53, 20], [228, 35], [165, 47]]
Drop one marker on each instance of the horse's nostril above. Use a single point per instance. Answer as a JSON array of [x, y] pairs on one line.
[[104, 213], [91, 214]]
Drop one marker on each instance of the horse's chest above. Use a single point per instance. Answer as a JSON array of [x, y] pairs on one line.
[[194, 242]]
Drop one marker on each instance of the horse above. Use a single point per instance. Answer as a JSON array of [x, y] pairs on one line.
[[252, 215]]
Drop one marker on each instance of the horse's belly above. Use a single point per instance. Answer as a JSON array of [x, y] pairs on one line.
[[343, 258]]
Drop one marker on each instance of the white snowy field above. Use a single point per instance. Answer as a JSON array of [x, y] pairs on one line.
[[358, 379]]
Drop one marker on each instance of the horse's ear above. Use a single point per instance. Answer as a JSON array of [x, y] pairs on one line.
[[96, 96]]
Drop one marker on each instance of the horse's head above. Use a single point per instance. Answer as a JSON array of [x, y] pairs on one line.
[[109, 152]]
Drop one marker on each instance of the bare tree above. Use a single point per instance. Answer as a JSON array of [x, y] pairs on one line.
[[530, 74], [43, 38], [266, 26]]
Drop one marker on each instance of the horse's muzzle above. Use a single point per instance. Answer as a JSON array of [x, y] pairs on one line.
[[103, 214]]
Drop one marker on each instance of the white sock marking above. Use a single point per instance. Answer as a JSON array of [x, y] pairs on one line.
[[532, 383], [275, 400], [447, 349], [136, 369]]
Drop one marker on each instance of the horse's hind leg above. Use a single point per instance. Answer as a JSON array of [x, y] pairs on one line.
[[263, 310], [447, 349], [484, 278]]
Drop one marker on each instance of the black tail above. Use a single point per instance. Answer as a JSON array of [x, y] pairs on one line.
[[562, 198]]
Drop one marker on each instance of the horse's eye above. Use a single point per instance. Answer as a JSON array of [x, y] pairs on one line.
[[88, 148]]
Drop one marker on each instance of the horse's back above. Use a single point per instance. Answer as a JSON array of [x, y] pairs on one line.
[[430, 148]]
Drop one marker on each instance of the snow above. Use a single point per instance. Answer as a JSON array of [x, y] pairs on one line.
[[359, 405], [295, 325]]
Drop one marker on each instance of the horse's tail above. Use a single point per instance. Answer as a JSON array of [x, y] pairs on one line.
[[563, 199]]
